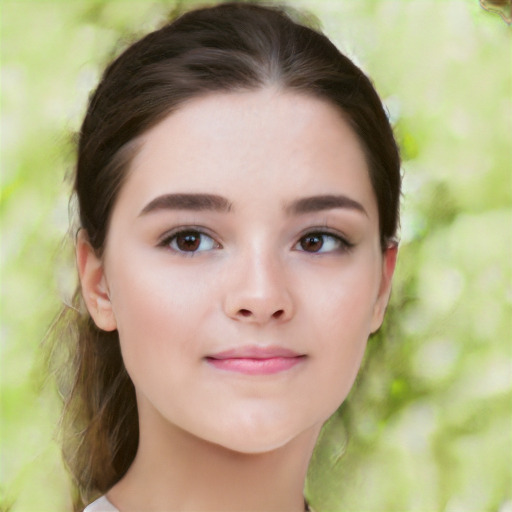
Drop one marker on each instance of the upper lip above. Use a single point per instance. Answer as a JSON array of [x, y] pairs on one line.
[[255, 352]]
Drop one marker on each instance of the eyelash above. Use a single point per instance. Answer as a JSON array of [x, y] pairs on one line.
[[343, 245], [170, 239]]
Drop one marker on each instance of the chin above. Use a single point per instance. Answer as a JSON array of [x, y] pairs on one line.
[[255, 446], [257, 439]]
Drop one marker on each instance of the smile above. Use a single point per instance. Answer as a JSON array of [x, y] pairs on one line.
[[256, 360]]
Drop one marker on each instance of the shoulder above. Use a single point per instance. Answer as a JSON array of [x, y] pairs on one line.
[[101, 505]]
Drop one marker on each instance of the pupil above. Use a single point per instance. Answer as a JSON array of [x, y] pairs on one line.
[[312, 243], [188, 241]]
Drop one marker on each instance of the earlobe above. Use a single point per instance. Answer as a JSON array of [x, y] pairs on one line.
[[94, 284], [388, 269]]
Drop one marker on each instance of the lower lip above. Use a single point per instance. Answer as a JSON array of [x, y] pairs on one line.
[[252, 366]]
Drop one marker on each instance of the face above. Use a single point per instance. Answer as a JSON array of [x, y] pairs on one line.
[[243, 268]]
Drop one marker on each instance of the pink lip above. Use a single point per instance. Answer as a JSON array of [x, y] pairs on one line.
[[255, 360]]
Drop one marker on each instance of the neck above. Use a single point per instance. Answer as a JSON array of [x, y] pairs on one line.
[[174, 470]]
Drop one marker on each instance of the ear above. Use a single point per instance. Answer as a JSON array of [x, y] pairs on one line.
[[388, 268], [94, 284]]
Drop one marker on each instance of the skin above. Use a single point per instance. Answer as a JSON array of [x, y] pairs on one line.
[[254, 278]]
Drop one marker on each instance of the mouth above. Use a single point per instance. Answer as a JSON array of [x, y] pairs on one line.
[[254, 360]]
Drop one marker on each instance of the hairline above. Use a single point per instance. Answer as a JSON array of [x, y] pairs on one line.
[[126, 154]]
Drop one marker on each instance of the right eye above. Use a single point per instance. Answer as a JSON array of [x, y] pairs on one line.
[[190, 241]]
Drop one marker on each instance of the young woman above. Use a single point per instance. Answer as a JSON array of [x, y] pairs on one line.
[[238, 187]]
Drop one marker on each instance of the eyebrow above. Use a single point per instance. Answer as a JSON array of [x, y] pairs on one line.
[[324, 202], [195, 202], [212, 202]]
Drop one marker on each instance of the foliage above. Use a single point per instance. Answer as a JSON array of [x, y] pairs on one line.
[[427, 426]]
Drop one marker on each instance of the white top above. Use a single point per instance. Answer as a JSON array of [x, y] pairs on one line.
[[101, 505]]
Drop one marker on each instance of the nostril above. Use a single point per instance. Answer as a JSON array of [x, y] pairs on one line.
[[247, 313]]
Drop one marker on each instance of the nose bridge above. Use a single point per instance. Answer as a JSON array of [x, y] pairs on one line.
[[258, 291]]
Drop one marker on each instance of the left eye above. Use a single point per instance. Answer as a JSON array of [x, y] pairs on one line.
[[190, 241], [321, 243]]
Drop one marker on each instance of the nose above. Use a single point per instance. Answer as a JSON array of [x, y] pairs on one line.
[[258, 290]]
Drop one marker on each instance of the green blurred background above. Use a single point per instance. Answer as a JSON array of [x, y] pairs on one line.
[[428, 424]]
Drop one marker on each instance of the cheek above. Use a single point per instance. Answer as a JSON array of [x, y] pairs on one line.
[[341, 299], [158, 311], [339, 320]]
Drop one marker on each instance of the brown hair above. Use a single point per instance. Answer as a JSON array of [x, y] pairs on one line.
[[231, 46]]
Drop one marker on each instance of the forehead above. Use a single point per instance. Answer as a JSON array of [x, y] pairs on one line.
[[251, 145]]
